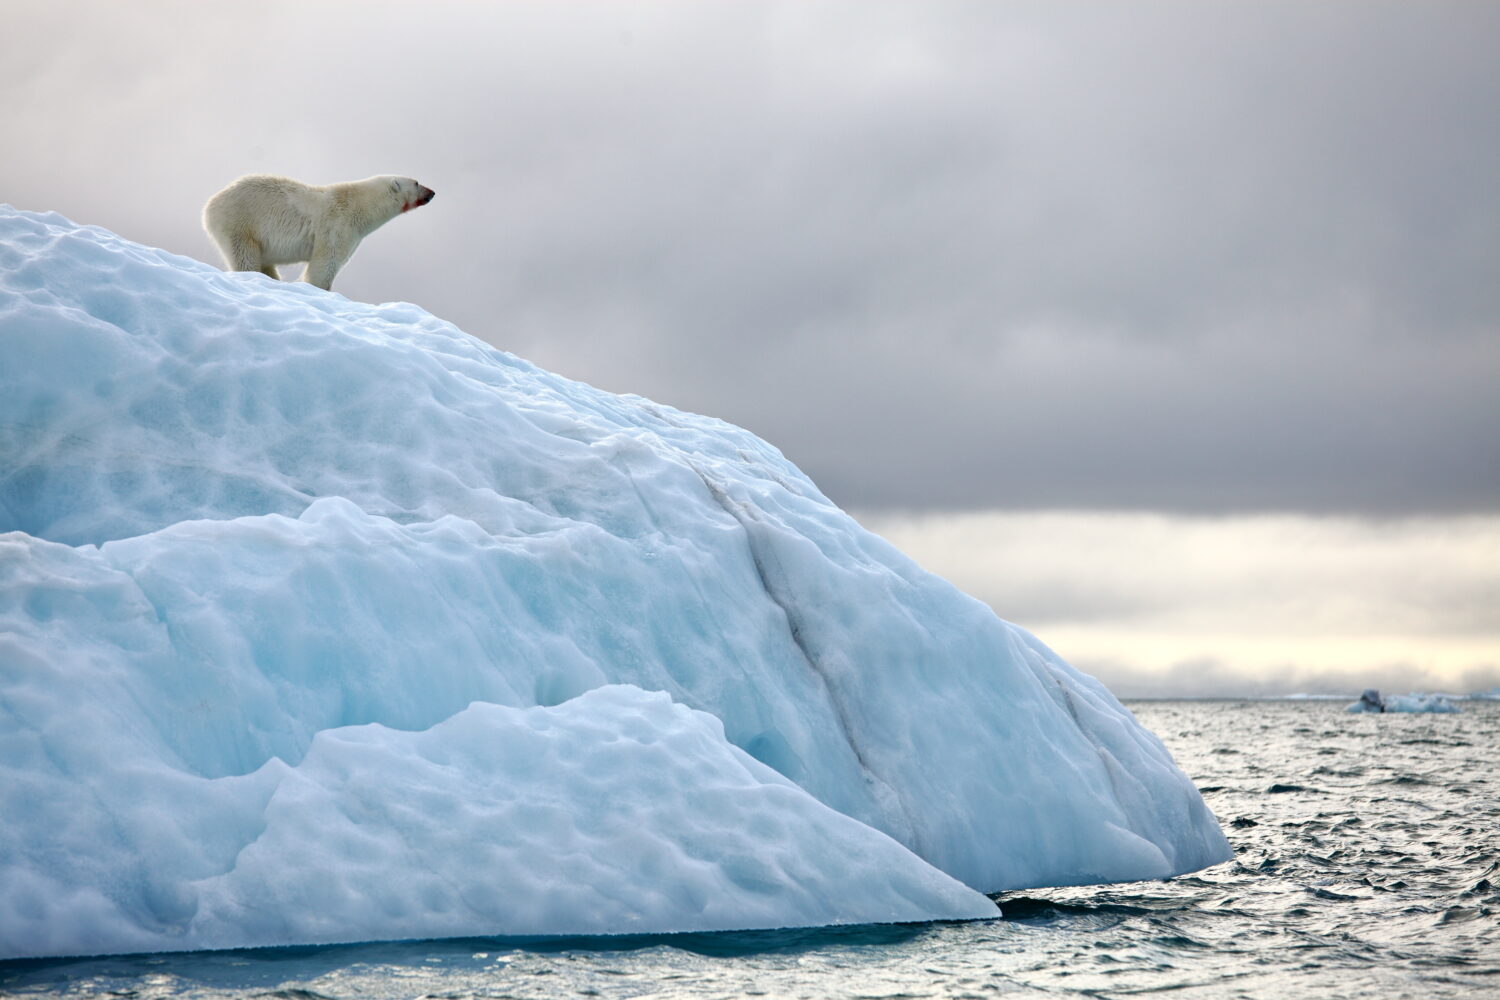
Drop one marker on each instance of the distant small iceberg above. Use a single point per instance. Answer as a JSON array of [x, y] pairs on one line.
[[1371, 701]]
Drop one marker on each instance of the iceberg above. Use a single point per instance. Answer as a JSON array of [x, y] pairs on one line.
[[323, 621], [1418, 701], [1370, 700]]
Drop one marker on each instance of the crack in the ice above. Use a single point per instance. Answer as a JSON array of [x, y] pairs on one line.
[[738, 511]]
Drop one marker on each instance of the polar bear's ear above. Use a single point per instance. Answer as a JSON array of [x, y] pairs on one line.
[[395, 185]]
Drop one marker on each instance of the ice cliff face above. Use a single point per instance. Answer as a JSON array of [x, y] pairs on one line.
[[322, 621]]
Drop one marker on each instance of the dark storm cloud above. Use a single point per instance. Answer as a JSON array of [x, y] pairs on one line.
[[1188, 256]]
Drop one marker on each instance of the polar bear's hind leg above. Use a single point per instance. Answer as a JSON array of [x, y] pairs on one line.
[[242, 252]]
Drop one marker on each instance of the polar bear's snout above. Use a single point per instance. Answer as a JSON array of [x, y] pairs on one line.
[[424, 195]]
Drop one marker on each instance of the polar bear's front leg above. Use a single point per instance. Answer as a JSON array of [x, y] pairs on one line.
[[328, 255]]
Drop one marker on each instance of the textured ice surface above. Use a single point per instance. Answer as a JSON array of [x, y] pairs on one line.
[[615, 811], [261, 533]]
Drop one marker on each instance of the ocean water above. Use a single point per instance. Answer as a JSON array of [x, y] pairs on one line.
[[1367, 865]]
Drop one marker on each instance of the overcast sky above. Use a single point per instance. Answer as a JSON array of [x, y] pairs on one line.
[[1197, 261]]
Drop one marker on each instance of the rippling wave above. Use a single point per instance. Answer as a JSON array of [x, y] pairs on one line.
[[1367, 864]]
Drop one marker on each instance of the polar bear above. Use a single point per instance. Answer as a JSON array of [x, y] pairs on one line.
[[261, 221]]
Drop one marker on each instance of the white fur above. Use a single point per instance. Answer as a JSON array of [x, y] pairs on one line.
[[261, 221]]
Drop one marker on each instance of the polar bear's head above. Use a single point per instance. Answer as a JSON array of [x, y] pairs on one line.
[[411, 194]]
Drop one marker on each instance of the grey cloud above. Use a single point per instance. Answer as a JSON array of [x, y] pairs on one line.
[[1194, 257]]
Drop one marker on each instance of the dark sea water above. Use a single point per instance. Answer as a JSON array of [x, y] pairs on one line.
[[1368, 865]]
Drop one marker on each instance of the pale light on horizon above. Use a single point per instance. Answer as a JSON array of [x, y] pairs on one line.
[[1155, 604]]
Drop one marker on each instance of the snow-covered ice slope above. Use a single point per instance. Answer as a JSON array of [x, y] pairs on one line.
[[326, 621]]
